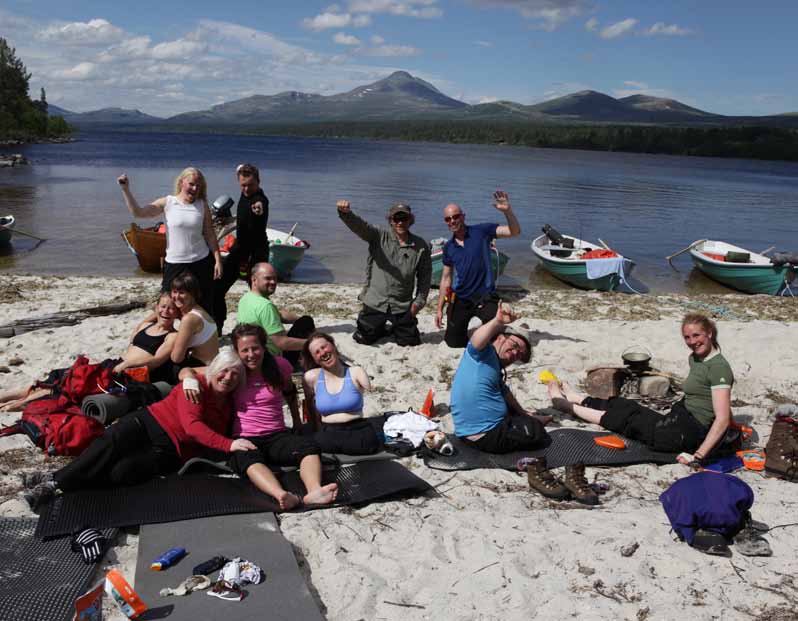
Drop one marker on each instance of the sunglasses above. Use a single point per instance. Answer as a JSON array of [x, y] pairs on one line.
[[400, 217], [453, 218]]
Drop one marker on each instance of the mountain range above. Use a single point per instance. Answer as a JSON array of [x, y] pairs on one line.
[[402, 96]]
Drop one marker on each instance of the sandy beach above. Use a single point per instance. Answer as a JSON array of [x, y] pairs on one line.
[[482, 546]]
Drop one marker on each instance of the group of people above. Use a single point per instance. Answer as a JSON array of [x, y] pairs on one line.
[[231, 400]]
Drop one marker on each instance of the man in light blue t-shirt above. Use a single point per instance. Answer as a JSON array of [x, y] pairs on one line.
[[485, 412]]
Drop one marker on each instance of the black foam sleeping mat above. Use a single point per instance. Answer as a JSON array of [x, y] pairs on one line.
[[39, 580], [282, 595], [173, 498], [567, 446]]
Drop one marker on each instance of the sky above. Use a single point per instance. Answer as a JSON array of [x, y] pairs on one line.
[[733, 57]]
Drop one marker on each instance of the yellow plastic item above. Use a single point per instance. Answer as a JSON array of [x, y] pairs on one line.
[[547, 376]]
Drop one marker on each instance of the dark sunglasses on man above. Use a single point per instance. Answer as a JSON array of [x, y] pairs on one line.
[[453, 218], [400, 217]]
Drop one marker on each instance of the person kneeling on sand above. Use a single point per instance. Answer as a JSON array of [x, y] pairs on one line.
[[258, 418], [487, 416], [155, 440]]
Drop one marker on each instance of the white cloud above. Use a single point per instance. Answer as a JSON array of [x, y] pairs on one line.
[[591, 24], [179, 49], [377, 40], [392, 50], [424, 9], [360, 21], [670, 30], [81, 71], [324, 21], [95, 32], [484, 100], [545, 14], [342, 38], [619, 29], [481, 43], [638, 85]]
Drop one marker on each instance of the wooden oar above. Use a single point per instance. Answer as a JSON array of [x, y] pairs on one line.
[[606, 247], [291, 232], [41, 239], [690, 247], [766, 250]]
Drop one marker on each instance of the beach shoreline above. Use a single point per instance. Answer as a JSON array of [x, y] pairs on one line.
[[482, 546]]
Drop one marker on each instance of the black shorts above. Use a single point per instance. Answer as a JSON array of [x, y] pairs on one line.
[[276, 449], [459, 315], [516, 432], [356, 437], [674, 432]]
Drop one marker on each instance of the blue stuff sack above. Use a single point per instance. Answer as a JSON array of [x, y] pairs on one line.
[[707, 500]]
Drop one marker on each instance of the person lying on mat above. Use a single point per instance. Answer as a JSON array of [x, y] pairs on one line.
[[486, 415], [196, 343], [155, 440], [334, 394], [694, 426], [150, 346], [258, 417]]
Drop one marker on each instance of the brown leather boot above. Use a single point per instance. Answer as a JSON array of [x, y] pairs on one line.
[[577, 484], [543, 481]]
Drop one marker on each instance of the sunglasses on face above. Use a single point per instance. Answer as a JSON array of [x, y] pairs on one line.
[[453, 218], [400, 217]]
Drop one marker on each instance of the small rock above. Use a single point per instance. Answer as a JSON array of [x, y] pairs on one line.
[[4, 369], [630, 549], [585, 570], [15, 361]]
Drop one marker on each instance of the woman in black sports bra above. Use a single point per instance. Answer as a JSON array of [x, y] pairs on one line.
[[151, 343]]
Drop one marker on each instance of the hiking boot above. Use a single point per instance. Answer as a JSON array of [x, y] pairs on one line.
[[749, 542], [576, 483], [712, 543], [543, 481], [39, 495]]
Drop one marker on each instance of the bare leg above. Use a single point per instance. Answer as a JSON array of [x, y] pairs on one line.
[[310, 473], [15, 398], [265, 481], [566, 398], [588, 414]]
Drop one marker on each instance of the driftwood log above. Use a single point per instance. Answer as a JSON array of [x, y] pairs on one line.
[[66, 318]]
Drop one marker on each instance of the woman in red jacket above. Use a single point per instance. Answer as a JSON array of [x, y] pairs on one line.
[[157, 439]]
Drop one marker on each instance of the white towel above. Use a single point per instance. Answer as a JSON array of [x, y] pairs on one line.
[[410, 426]]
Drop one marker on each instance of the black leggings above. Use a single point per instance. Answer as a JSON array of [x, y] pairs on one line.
[[132, 450], [461, 311], [516, 432], [371, 325], [356, 437], [674, 432]]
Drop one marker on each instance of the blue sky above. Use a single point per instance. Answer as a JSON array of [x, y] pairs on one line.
[[730, 57]]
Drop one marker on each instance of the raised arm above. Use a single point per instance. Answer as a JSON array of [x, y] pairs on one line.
[[155, 208], [484, 334], [443, 289], [501, 201], [209, 234], [356, 224]]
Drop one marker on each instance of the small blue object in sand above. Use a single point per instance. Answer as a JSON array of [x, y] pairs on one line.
[[167, 559], [725, 464]]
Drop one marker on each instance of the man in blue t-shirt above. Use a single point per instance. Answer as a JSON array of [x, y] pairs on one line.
[[468, 255], [485, 412]]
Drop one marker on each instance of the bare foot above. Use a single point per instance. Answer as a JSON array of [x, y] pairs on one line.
[[571, 394], [323, 495], [287, 500], [553, 388]]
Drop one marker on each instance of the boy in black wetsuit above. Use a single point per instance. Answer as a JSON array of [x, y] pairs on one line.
[[251, 245]]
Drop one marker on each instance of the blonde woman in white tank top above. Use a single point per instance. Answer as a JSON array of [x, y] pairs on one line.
[[190, 239]]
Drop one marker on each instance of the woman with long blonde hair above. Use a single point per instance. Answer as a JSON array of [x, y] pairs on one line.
[[191, 243]]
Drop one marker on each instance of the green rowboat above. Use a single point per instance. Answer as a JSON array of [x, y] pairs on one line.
[[741, 269], [285, 252], [498, 261], [6, 229], [566, 264]]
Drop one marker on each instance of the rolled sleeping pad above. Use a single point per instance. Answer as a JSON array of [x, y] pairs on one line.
[[107, 408]]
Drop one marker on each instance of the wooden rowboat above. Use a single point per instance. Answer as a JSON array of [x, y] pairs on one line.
[[6, 229], [567, 262], [741, 269]]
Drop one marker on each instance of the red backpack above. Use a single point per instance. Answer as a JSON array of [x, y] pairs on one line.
[[60, 433]]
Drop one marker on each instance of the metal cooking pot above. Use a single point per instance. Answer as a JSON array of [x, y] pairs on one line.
[[636, 358]]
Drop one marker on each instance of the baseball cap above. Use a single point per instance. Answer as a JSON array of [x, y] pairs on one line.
[[399, 208]]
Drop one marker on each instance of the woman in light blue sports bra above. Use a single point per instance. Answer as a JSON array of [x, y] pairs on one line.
[[334, 395]]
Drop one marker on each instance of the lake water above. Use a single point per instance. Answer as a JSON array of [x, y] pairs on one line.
[[645, 206]]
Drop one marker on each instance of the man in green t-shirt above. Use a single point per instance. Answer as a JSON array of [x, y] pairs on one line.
[[256, 308]]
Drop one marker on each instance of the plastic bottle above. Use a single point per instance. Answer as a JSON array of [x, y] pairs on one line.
[[167, 559]]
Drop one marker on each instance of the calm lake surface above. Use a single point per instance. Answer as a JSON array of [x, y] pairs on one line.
[[645, 206]]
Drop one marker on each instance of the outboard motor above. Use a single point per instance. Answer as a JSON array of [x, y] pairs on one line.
[[556, 238], [221, 207]]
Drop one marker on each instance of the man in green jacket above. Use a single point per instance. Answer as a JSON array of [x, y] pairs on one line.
[[398, 275]]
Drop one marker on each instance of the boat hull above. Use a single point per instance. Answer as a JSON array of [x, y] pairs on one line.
[[739, 268], [285, 255], [497, 263], [575, 274], [6, 230]]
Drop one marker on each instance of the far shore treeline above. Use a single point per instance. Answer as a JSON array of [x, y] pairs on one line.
[[755, 142], [22, 118]]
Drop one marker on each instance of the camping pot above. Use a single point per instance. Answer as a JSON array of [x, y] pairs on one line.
[[636, 358]]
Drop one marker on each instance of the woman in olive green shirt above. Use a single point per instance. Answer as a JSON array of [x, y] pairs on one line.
[[694, 426]]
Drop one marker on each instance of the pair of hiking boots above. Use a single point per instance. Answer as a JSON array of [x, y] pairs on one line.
[[782, 448], [574, 486]]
